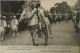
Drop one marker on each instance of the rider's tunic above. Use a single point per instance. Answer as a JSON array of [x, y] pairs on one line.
[[40, 16], [31, 18]]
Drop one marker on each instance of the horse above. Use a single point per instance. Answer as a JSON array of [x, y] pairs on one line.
[[33, 25]]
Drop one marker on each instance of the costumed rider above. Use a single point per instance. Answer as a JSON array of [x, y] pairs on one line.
[[40, 12]]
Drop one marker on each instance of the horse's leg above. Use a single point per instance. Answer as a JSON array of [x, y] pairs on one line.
[[2, 36], [33, 35], [46, 36], [13, 33], [4, 31], [50, 31], [39, 33], [74, 22], [17, 32], [66, 20], [78, 23], [10, 31], [77, 28]]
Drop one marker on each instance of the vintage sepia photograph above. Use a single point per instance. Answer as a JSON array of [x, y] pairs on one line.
[[40, 23]]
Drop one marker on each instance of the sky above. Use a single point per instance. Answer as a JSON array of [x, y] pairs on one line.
[[47, 4]]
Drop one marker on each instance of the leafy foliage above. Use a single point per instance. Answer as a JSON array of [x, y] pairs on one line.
[[61, 7], [10, 6]]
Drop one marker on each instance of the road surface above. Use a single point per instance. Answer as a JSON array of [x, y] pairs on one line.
[[63, 35]]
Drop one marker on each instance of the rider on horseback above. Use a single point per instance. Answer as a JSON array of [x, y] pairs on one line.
[[40, 12], [34, 20]]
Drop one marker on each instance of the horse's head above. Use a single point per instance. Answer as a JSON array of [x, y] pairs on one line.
[[25, 14]]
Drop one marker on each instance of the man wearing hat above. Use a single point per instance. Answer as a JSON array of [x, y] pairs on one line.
[[40, 12]]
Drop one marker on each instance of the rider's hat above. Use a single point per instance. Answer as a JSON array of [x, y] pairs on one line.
[[37, 4], [25, 5]]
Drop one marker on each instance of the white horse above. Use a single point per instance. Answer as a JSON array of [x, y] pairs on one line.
[[33, 25]]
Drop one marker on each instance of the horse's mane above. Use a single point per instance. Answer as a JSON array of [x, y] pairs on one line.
[[26, 14]]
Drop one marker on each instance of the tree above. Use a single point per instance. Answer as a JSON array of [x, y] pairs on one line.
[[61, 7], [52, 9], [11, 6], [77, 5]]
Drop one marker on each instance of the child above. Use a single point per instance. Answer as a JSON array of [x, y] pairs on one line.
[[14, 25]]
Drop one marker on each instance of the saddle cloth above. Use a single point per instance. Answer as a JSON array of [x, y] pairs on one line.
[[33, 27]]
